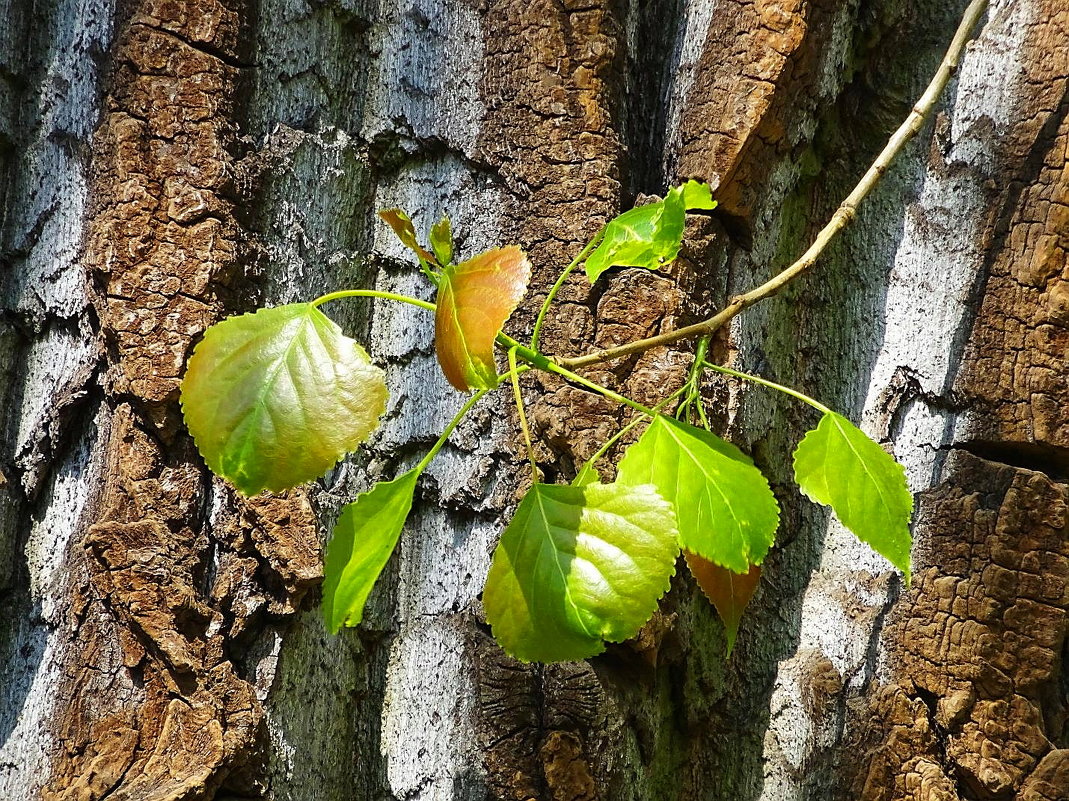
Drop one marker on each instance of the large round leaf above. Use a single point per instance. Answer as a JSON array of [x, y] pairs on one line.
[[578, 566], [276, 398]]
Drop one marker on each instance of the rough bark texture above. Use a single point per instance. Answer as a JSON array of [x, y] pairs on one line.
[[165, 164]]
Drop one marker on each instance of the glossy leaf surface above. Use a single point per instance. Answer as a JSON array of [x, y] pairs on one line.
[[364, 537], [276, 398], [725, 509], [578, 566], [836, 464], [401, 224], [475, 299], [442, 241], [697, 196], [646, 236], [729, 592]]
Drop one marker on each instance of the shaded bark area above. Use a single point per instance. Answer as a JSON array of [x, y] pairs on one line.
[[238, 155]]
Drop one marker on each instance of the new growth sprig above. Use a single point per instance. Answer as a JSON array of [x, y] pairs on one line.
[[276, 398]]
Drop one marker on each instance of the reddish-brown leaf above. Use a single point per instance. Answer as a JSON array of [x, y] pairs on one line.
[[730, 592], [406, 232], [475, 299]]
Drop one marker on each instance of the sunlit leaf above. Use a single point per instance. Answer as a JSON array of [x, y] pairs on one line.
[[697, 196], [836, 464], [730, 592], [725, 509], [442, 241], [406, 232], [475, 299], [587, 474], [647, 236], [578, 566], [365, 536], [276, 398]]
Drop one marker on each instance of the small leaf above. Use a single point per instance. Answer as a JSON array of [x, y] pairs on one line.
[[475, 299], [442, 241], [697, 196], [406, 232], [836, 464], [365, 536], [647, 236], [276, 398], [724, 507], [578, 566], [729, 592]]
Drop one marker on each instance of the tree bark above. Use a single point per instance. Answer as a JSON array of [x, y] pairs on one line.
[[163, 165]]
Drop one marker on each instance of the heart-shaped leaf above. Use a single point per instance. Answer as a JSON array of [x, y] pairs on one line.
[[730, 592], [475, 299], [578, 566], [276, 398], [724, 507], [364, 537], [401, 224], [836, 464]]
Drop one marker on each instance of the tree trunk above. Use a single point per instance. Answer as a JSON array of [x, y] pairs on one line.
[[167, 164]]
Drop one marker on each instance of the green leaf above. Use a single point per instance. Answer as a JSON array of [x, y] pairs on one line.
[[442, 241], [578, 566], [725, 509], [729, 592], [401, 224], [587, 474], [697, 196], [475, 298], [364, 537], [276, 398], [647, 236], [836, 464]]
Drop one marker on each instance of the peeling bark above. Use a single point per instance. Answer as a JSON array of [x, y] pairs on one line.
[[164, 165]]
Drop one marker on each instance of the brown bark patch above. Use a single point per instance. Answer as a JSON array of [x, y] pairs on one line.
[[155, 705], [757, 69]]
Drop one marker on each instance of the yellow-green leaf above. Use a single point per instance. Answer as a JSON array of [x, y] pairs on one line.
[[364, 537], [276, 398], [578, 566], [836, 464], [725, 509]]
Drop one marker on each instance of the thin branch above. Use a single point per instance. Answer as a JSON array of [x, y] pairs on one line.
[[842, 217]]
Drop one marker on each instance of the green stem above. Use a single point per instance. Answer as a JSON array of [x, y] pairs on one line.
[[560, 282], [372, 293], [589, 463], [431, 275], [605, 391], [820, 407], [545, 363], [426, 460], [514, 371]]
